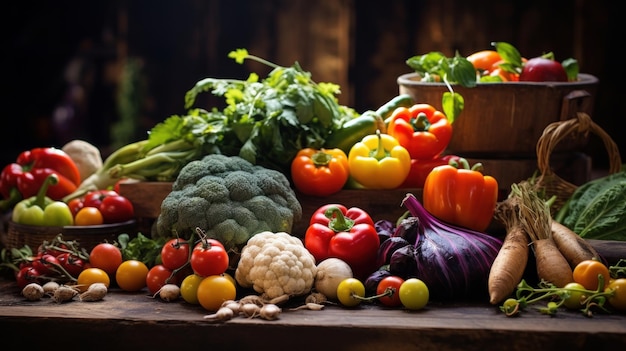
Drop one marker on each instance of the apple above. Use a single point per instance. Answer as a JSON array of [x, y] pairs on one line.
[[541, 69]]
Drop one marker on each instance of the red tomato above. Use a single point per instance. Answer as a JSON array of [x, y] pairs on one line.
[[26, 276], [107, 257], [45, 264], [209, 258], [116, 209], [75, 205], [175, 253], [94, 198], [391, 283], [71, 263], [158, 276]]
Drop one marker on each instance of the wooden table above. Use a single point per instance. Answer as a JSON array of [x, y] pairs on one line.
[[135, 321]]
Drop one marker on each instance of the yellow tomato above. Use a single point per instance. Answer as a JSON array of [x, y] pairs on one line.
[[92, 275], [189, 288], [131, 275], [214, 290], [88, 216]]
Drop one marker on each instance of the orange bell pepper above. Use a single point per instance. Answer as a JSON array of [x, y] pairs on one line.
[[421, 129], [320, 172], [460, 195]]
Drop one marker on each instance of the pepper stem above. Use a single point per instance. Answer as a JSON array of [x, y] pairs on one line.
[[420, 123], [338, 222], [321, 158], [380, 151], [40, 199]]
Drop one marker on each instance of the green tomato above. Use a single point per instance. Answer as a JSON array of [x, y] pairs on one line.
[[350, 291], [58, 214], [413, 294], [575, 297]]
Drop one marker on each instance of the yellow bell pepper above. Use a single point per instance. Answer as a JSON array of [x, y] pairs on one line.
[[379, 162]]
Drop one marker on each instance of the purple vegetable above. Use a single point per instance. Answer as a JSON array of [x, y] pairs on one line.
[[371, 283], [388, 247], [384, 228], [454, 262]]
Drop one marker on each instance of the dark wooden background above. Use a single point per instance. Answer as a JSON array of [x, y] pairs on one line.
[[152, 52]]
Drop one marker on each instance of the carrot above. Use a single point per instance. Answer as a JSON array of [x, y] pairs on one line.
[[537, 221], [508, 267], [572, 246]]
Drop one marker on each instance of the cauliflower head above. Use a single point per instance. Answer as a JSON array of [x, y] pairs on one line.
[[230, 199], [276, 264]]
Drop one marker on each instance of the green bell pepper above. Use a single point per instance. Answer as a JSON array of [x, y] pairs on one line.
[[41, 210]]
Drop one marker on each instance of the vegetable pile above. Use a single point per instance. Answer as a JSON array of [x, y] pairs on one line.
[[453, 261]]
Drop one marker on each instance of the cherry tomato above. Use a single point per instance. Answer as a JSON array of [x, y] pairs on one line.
[[71, 263], [88, 216], [189, 288], [159, 276], [349, 292], [586, 273], [209, 258], [414, 294], [116, 209], [214, 290], [618, 299], [94, 198], [75, 205], [52, 250], [576, 296], [131, 275], [27, 275], [106, 256], [390, 284], [92, 275], [45, 264], [175, 253]]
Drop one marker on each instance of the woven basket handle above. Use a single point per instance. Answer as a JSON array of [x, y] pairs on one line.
[[581, 125]]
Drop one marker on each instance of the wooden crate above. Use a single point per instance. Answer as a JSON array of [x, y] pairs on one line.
[[381, 204]]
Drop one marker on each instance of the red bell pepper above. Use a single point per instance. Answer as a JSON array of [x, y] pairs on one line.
[[461, 195], [347, 234], [25, 177], [421, 168], [421, 129]]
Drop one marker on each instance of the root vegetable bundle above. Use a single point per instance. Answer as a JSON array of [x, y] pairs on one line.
[[529, 225]]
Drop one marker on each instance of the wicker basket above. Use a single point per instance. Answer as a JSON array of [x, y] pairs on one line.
[[548, 182], [19, 235]]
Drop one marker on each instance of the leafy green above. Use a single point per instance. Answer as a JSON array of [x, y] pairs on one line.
[[597, 209], [437, 67], [272, 119], [265, 121], [141, 248]]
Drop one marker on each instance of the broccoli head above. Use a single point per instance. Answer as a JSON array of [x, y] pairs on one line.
[[230, 199]]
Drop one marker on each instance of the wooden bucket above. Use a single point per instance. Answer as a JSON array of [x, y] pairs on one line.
[[505, 120]]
